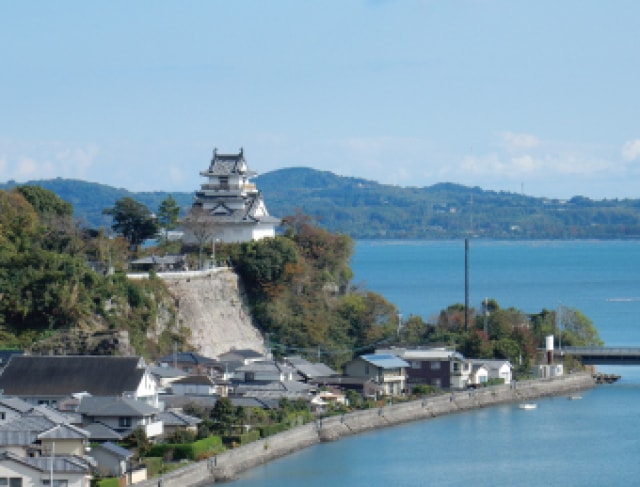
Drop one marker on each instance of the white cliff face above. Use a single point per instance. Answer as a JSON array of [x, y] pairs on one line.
[[213, 308]]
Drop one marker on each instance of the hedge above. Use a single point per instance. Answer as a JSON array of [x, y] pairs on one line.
[[236, 440], [272, 429], [187, 451]]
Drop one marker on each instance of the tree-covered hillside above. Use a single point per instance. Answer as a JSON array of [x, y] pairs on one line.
[[365, 209], [55, 281]]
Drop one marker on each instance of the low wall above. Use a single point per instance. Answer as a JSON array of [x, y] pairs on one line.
[[228, 464]]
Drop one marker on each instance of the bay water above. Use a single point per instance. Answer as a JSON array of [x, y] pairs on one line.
[[594, 441]]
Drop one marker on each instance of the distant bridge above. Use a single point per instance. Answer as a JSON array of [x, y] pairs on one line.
[[601, 355]]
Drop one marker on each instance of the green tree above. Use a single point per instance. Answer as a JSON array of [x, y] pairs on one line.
[[224, 415], [133, 220], [46, 202], [168, 213], [577, 330]]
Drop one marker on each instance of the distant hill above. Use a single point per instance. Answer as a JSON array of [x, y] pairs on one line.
[[367, 209]]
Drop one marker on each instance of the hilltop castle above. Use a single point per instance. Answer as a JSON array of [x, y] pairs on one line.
[[228, 207]]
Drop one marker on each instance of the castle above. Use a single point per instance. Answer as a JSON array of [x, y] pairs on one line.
[[228, 207]]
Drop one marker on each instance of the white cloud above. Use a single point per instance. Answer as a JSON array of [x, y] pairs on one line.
[[631, 150], [24, 161], [515, 142]]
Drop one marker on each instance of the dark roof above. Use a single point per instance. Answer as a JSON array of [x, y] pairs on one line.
[[29, 375], [115, 406], [188, 357], [310, 370], [195, 380], [115, 450], [245, 353], [174, 418], [100, 432], [225, 164], [5, 355]]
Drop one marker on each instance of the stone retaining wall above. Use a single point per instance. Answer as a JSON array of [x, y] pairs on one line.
[[228, 464]]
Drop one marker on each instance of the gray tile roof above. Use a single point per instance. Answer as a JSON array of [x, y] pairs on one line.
[[115, 450], [64, 432], [114, 406], [100, 432], [29, 375], [61, 464], [195, 380], [310, 370], [187, 357], [167, 372], [174, 418], [244, 353], [16, 404]]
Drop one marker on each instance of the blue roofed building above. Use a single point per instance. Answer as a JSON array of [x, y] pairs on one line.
[[386, 373]]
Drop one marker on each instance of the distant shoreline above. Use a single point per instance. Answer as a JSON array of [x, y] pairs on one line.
[[228, 465]]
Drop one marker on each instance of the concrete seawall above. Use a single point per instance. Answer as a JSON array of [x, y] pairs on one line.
[[228, 464]]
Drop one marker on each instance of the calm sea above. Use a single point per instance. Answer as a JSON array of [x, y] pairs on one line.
[[594, 441]]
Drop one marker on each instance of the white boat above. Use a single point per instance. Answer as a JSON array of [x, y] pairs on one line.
[[528, 405], [574, 397]]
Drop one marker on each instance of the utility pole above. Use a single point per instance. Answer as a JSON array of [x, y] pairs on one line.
[[466, 284]]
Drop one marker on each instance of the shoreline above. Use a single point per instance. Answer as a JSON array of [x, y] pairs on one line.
[[227, 465]]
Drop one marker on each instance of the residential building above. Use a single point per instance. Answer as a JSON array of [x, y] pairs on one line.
[[309, 371], [195, 384], [438, 367], [66, 471], [387, 373], [265, 371], [112, 460], [173, 421], [52, 379], [122, 414], [192, 363], [228, 207], [12, 408], [243, 356], [497, 369]]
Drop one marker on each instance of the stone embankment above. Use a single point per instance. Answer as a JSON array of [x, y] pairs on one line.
[[228, 464]]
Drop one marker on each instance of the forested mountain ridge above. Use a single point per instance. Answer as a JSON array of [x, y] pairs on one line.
[[362, 208]]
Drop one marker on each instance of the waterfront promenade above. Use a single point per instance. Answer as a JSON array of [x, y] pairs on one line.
[[228, 464]]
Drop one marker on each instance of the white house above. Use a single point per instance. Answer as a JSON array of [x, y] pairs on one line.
[[496, 369]]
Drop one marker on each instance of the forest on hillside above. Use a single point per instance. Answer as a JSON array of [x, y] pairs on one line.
[[57, 277], [365, 209]]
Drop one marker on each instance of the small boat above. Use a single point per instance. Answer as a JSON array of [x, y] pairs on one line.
[[528, 405], [574, 397]]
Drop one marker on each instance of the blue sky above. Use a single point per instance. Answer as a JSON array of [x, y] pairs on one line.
[[534, 96]]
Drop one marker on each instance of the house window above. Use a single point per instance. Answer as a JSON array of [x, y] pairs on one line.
[[11, 482], [56, 483], [456, 366], [435, 365], [124, 421], [249, 376], [415, 364], [3, 416]]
